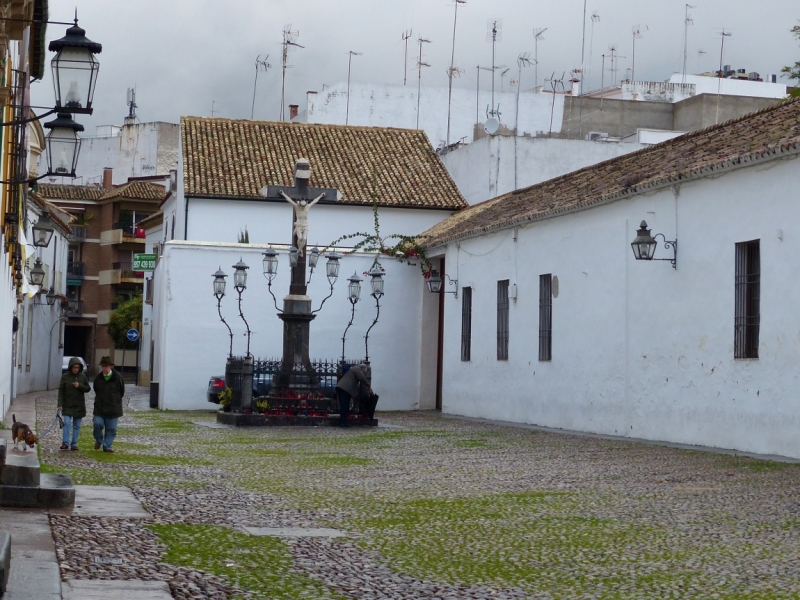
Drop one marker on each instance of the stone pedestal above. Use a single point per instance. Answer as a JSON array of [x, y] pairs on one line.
[[296, 372]]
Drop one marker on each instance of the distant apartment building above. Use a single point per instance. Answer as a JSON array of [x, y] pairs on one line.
[[100, 271]]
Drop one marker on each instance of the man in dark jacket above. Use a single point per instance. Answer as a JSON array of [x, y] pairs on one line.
[[109, 390], [347, 389], [72, 402]]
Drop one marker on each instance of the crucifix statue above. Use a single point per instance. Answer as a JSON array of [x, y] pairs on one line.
[[301, 208]]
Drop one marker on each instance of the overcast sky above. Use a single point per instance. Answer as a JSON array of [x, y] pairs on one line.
[[184, 55]]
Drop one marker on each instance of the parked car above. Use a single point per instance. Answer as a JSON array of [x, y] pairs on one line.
[[216, 385], [65, 363]]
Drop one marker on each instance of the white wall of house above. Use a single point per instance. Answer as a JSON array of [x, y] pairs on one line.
[[732, 87], [153, 243], [381, 105], [640, 349], [486, 168], [192, 343]]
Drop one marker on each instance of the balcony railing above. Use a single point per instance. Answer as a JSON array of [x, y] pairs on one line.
[[78, 233], [126, 270], [75, 270], [75, 308], [129, 230]]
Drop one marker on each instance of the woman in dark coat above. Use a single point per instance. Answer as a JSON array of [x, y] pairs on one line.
[[109, 390], [72, 402]]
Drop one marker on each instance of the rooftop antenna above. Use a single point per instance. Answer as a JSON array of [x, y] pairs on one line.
[[502, 75], [213, 102], [260, 65], [420, 64], [637, 35], [554, 84], [351, 54], [478, 93], [523, 60], [537, 37], [494, 34], [406, 35], [723, 35], [131, 106], [614, 61], [453, 71], [602, 79], [595, 19], [686, 22], [289, 39], [583, 62]]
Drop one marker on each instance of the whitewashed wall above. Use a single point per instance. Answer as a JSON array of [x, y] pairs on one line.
[[732, 87], [380, 105], [640, 349], [192, 344], [486, 168]]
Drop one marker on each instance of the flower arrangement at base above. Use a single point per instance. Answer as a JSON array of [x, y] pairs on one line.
[[262, 406], [225, 399]]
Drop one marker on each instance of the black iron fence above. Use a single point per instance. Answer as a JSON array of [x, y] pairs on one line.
[[78, 233], [75, 270], [126, 269]]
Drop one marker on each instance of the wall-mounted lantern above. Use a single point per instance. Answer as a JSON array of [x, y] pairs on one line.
[[37, 273], [43, 231], [75, 70], [63, 145], [644, 245], [435, 284]]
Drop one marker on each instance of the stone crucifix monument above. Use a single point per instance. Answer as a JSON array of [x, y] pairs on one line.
[[296, 373]]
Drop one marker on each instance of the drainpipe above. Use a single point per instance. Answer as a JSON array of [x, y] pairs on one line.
[[186, 221]]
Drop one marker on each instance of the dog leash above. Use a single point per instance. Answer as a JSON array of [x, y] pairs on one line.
[[56, 419]]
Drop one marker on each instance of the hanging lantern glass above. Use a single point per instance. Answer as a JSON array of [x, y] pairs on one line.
[[354, 288], [376, 280], [43, 231], [75, 70], [219, 283], [240, 276], [434, 282], [51, 297], [293, 256], [37, 273], [332, 266], [644, 246], [63, 145], [270, 263], [313, 257]]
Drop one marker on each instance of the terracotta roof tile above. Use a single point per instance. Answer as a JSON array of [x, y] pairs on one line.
[[136, 190], [230, 158], [53, 191], [735, 143]]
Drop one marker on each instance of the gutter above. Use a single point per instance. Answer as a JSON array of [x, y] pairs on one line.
[[783, 152], [186, 220], [328, 202]]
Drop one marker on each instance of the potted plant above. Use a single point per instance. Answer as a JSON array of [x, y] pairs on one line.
[[225, 398]]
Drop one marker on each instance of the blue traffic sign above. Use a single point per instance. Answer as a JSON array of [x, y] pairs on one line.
[[132, 335]]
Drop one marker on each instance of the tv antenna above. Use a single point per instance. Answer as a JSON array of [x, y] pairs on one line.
[[523, 60], [131, 104], [420, 64], [686, 22], [406, 35], [637, 35], [537, 37], [614, 61], [453, 71], [502, 76], [494, 34], [723, 35], [289, 39], [595, 19], [555, 84], [261, 65], [351, 54]]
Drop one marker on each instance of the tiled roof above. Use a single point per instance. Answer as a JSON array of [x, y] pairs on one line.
[[136, 190], [770, 132], [53, 191], [229, 158]]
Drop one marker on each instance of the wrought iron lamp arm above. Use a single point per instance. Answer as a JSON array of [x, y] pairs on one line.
[[667, 245], [313, 312], [28, 181], [221, 318], [352, 316], [274, 299], [241, 314], [52, 111], [377, 316]]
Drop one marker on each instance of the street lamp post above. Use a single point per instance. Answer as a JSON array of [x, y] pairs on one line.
[[240, 283], [354, 294], [376, 281], [219, 293]]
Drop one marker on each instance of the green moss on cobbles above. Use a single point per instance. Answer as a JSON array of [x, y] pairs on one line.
[[262, 566]]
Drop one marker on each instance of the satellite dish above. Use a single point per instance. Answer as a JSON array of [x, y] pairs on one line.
[[491, 126]]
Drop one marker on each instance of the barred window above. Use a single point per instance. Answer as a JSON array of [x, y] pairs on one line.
[[466, 323], [546, 317], [748, 299], [502, 320]]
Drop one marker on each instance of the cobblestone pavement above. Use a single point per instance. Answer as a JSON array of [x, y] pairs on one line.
[[434, 508]]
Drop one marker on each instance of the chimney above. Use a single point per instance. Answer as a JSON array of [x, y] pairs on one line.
[[107, 179], [293, 111]]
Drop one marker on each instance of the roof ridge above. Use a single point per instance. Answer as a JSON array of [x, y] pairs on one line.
[[294, 124]]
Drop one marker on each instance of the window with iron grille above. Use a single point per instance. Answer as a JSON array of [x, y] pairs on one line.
[[546, 317], [502, 320], [748, 299], [466, 323]]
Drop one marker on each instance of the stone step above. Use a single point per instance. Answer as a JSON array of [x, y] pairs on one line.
[[54, 491], [21, 469]]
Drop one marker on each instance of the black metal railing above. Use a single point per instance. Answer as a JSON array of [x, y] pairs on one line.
[[75, 270], [75, 308], [78, 233], [126, 269]]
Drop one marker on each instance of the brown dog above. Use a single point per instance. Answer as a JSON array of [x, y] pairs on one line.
[[22, 433]]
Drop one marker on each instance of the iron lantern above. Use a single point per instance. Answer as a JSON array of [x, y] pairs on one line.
[[376, 280], [644, 246], [37, 273], [51, 297], [313, 257], [354, 288], [75, 70], [270, 263], [434, 282], [332, 266], [293, 256], [43, 231], [63, 145], [240, 276], [219, 283]]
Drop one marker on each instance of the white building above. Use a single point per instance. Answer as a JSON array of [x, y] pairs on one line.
[[223, 166], [725, 86], [558, 325]]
